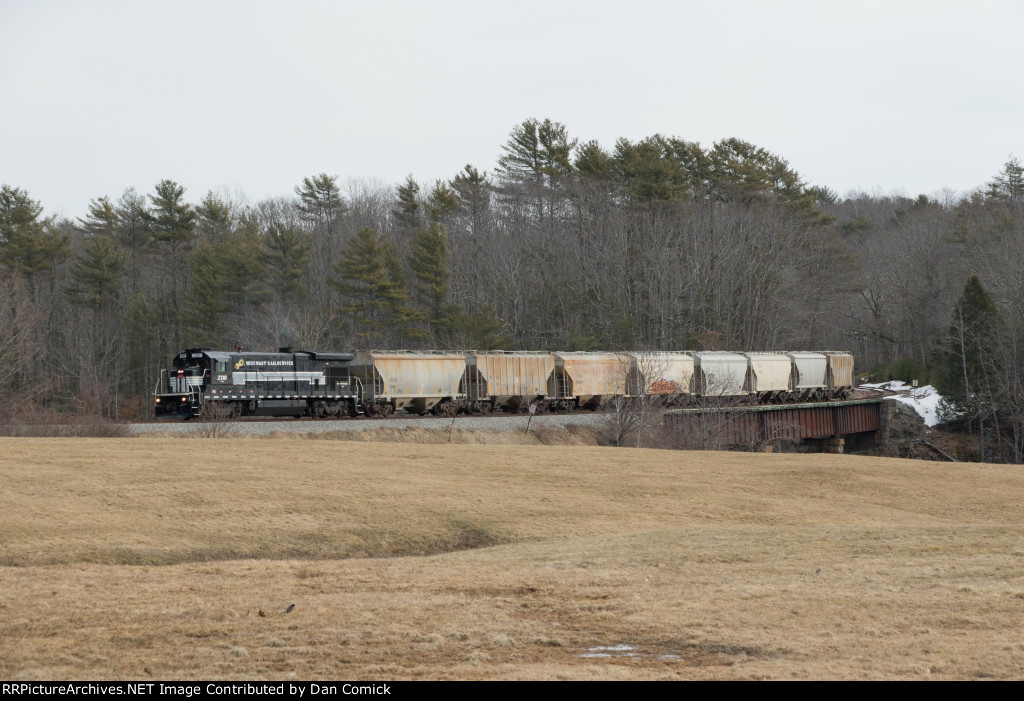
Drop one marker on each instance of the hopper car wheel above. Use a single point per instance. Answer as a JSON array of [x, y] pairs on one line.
[[385, 410]]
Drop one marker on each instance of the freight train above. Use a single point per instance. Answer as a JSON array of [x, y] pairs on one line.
[[212, 383]]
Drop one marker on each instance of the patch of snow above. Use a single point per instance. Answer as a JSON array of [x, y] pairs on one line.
[[609, 651], [925, 400]]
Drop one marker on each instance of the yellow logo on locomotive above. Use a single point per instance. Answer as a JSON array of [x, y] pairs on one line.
[[240, 363]]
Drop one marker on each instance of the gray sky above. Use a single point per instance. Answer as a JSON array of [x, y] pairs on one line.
[[253, 96]]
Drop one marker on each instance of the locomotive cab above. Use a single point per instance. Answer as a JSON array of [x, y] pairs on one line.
[[179, 392]]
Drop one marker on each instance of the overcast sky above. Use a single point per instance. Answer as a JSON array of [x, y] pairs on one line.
[[253, 96]]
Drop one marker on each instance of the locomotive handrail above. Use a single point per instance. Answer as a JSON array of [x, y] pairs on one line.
[[162, 383]]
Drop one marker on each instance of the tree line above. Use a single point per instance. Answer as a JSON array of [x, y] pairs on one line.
[[658, 243]]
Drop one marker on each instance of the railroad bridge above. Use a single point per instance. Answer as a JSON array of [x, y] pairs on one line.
[[826, 426]]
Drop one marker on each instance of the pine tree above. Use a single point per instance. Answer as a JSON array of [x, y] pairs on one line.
[[133, 232], [27, 244], [407, 209], [286, 251], [474, 193], [133, 236], [96, 273], [974, 336], [226, 277], [171, 219], [321, 207], [537, 152], [442, 202], [172, 223], [649, 172], [214, 218], [537, 159], [320, 202], [369, 275], [593, 162], [428, 261], [1008, 185], [102, 219]]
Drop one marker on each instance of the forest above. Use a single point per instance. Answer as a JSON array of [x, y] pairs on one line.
[[659, 243]]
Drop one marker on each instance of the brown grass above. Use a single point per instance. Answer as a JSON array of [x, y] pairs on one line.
[[162, 558]]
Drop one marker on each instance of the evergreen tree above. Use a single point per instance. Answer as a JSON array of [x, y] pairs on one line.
[[428, 261], [320, 202], [214, 218], [649, 172], [537, 152], [286, 251], [172, 224], [102, 219], [226, 277], [593, 162], [1008, 185], [474, 193], [407, 209], [133, 236], [96, 273], [442, 202], [535, 161], [974, 338], [321, 207], [171, 219], [27, 244], [483, 330], [370, 277], [133, 233]]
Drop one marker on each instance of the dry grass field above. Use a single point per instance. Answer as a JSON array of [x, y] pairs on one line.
[[160, 558]]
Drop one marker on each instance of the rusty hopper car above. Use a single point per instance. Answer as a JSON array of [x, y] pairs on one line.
[[719, 374], [587, 380], [769, 375], [669, 375], [203, 381], [417, 382], [507, 380], [839, 378], [809, 374]]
